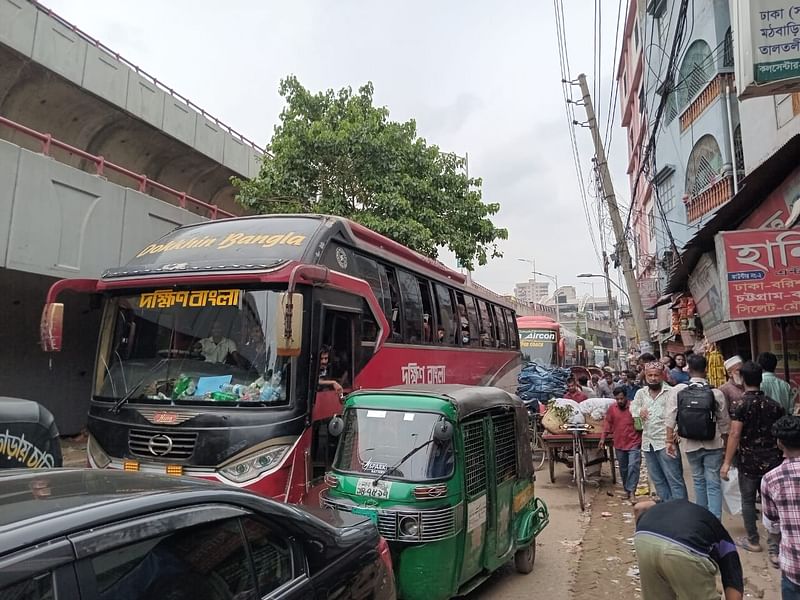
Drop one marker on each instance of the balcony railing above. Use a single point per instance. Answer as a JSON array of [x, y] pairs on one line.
[[712, 197], [704, 99]]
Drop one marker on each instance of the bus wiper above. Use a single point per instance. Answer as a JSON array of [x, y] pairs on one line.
[[401, 461], [129, 394]]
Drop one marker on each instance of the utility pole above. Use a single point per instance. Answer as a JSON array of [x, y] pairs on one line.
[[643, 333], [612, 317]]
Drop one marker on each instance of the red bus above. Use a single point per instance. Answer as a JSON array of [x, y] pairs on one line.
[[541, 341], [211, 340]]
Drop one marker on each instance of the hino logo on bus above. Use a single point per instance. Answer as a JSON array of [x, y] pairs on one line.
[[540, 336], [160, 445]]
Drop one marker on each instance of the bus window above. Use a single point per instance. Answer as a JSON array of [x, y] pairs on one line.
[[486, 325], [394, 315], [338, 336], [446, 333], [428, 322], [474, 323], [377, 280], [513, 333], [412, 307], [369, 336], [500, 322]]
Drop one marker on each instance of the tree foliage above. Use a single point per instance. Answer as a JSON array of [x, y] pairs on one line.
[[336, 153]]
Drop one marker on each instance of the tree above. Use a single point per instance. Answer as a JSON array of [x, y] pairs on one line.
[[336, 153]]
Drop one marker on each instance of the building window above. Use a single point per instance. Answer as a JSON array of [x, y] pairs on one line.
[[738, 151], [666, 194], [727, 49], [695, 72], [704, 167]]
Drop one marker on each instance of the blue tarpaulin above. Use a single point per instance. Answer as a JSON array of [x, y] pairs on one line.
[[539, 382]]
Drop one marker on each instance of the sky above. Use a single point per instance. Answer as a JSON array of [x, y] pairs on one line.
[[480, 78]]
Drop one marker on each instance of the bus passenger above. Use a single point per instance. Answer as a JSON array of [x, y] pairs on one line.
[[462, 317], [216, 348], [326, 370]]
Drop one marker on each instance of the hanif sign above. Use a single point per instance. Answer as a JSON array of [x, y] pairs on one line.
[[767, 46], [761, 272]]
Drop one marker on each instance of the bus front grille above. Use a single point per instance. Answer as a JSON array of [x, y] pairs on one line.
[[162, 443]]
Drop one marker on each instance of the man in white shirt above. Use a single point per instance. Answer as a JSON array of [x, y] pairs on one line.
[[705, 456], [216, 348]]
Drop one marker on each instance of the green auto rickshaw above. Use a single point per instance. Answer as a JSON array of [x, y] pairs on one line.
[[445, 472]]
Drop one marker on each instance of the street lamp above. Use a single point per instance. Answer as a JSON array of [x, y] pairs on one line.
[[612, 318], [609, 280], [552, 278]]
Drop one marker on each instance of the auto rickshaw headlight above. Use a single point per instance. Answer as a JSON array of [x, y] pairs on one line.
[[409, 527]]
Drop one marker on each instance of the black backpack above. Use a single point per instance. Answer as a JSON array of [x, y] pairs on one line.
[[697, 412]]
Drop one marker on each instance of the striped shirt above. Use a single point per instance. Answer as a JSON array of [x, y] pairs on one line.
[[780, 503]]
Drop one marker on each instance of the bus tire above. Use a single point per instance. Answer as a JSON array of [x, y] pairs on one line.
[[525, 557]]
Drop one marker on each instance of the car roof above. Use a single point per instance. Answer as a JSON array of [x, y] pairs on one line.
[[37, 505]]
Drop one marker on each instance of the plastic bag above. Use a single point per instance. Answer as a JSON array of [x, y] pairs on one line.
[[731, 496]]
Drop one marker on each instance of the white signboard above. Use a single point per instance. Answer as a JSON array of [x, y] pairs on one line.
[[767, 46], [706, 289]]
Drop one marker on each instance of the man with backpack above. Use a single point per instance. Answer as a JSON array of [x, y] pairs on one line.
[[699, 415]]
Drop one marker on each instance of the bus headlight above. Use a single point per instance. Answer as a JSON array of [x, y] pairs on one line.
[[97, 454], [254, 465]]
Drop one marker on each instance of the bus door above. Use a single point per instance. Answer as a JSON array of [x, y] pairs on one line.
[[334, 359]]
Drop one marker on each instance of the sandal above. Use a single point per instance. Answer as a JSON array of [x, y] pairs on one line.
[[746, 544]]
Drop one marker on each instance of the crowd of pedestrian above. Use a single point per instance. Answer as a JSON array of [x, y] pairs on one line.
[[667, 413]]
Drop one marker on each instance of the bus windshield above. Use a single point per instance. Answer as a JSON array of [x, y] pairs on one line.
[[376, 440], [539, 346], [192, 347]]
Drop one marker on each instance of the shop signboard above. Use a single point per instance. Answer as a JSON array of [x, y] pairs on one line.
[[648, 291], [762, 272], [706, 289], [766, 46]]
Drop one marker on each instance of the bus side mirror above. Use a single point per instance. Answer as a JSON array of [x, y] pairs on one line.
[[336, 426], [289, 324], [443, 431], [50, 326]]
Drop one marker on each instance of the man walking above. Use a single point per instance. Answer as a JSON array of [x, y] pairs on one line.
[[780, 502], [681, 547], [733, 389], [574, 392], [677, 373], [772, 386], [627, 442], [605, 386], [751, 436], [649, 404], [699, 415]]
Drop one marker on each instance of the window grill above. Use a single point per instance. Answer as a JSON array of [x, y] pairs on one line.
[[474, 455], [727, 49], [505, 447], [704, 166], [738, 151], [695, 72]]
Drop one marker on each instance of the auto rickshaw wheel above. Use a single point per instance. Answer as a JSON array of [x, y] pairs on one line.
[[525, 557]]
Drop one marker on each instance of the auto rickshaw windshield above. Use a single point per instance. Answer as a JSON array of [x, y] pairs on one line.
[[374, 441]]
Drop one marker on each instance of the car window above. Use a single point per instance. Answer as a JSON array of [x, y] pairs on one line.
[[206, 562], [35, 588], [272, 555]]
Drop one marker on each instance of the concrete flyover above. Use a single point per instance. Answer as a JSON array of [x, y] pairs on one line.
[[57, 79]]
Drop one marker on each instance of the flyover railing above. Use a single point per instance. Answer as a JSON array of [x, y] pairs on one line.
[[101, 166]]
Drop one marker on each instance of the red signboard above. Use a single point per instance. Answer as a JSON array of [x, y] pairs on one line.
[[760, 272]]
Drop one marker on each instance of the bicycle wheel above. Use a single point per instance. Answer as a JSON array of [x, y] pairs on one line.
[[580, 479], [537, 447]]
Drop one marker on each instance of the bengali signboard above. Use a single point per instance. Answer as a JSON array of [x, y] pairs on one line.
[[704, 285], [648, 291], [762, 272], [767, 46]]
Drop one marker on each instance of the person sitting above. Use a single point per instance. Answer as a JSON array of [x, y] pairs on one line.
[[216, 348], [574, 392], [254, 349], [326, 378]]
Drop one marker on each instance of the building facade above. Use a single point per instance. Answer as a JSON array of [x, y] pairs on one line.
[[531, 291], [696, 157]]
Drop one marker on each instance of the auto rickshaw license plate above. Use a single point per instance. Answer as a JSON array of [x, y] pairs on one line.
[[368, 487]]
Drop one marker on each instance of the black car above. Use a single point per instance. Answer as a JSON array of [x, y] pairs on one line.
[[105, 535]]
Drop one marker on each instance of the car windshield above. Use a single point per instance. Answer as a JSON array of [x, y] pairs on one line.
[[375, 440], [193, 347]]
